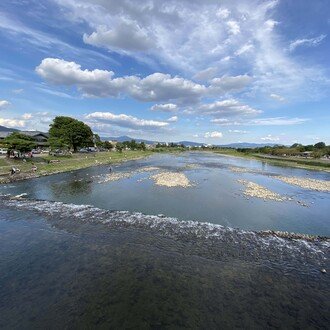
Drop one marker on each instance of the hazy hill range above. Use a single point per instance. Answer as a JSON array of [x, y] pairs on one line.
[[188, 143]]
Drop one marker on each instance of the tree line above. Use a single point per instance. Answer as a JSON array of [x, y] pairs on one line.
[[66, 134], [317, 150]]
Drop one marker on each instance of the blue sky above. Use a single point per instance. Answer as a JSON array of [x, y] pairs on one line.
[[208, 71]]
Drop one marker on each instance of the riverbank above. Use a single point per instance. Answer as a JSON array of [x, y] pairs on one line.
[[47, 165], [308, 164]]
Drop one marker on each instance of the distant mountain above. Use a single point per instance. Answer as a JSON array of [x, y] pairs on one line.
[[246, 145], [125, 138], [190, 143], [7, 129], [128, 138]]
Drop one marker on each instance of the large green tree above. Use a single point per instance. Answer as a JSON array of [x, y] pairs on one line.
[[71, 132], [18, 142]]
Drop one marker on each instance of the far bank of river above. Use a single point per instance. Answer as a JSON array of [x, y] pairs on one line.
[[304, 163], [48, 165]]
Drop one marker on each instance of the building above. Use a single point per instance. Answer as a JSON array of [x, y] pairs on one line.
[[307, 154], [40, 138]]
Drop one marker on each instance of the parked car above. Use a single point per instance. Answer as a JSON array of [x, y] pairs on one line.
[[3, 151], [57, 152]]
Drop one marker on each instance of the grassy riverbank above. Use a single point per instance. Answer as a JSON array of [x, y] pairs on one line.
[[305, 163], [47, 165]]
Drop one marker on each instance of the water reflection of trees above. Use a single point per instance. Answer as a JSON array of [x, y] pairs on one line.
[[74, 187]]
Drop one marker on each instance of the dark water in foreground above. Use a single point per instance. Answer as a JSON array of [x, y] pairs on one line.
[[64, 264], [69, 266]]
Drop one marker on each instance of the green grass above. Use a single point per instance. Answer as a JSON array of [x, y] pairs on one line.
[[66, 163], [310, 164]]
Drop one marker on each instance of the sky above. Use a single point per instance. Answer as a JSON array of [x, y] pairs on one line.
[[211, 71]]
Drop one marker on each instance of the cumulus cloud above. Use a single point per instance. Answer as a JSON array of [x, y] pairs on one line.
[[27, 116], [213, 135], [100, 83], [167, 107], [206, 74], [4, 104], [154, 87], [233, 27], [230, 83], [223, 13], [275, 121], [237, 131], [125, 121], [312, 42], [126, 36], [197, 36], [277, 97], [173, 119], [270, 138], [12, 123], [228, 108]]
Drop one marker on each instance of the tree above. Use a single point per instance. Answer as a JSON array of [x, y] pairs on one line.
[[72, 132], [97, 141], [319, 145], [143, 146], [56, 143], [119, 147], [18, 142], [107, 145]]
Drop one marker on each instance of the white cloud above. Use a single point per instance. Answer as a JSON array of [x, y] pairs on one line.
[[230, 83], [223, 13], [100, 83], [233, 27], [173, 119], [18, 91], [12, 123], [237, 131], [275, 121], [154, 87], [277, 97], [271, 138], [126, 121], [312, 42], [244, 49], [15, 29], [27, 116], [201, 36], [213, 135], [206, 74], [4, 104], [168, 107], [126, 36], [228, 108]]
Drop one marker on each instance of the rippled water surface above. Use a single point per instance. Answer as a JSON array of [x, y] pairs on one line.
[[216, 196], [66, 264]]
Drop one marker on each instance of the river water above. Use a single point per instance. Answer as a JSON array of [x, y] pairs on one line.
[[83, 252]]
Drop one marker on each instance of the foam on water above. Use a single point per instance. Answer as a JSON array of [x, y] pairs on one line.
[[269, 246]]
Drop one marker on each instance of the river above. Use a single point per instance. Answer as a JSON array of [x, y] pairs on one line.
[[82, 251]]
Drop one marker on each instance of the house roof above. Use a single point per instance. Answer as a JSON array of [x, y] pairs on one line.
[[28, 133], [4, 134], [34, 133]]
